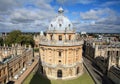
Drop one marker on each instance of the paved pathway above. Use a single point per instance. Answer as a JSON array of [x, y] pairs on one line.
[[27, 72]]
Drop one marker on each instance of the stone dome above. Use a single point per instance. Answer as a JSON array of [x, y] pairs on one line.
[[60, 23]]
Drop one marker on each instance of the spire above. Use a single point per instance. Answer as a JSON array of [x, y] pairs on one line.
[[60, 10]]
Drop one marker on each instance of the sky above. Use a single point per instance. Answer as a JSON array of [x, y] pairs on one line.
[[96, 16]]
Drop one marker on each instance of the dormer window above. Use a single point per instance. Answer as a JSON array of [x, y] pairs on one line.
[[60, 25], [69, 25], [51, 25]]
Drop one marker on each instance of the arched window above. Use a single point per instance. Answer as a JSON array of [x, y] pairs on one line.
[[60, 25], [59, 53], [69, 37], [60, 37], [51, 37], [59, 73], [69, 25], [78, 70]]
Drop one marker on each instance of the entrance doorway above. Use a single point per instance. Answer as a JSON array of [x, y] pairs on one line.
[[59, 73]]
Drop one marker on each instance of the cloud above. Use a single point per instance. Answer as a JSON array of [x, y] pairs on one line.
[[115, 20], [43, 4], [24, 18], [98, 28], [71, 2], [96, 14], [26, 15], [6, 5], [99, 20], [110, 3], [35, 15]]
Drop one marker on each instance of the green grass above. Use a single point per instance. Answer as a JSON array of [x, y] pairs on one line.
[[38, 79]]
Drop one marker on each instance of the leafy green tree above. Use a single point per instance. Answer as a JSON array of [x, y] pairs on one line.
[[13, 36], [16, 36], [27, 39]]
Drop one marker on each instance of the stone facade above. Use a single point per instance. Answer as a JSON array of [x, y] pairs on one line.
[[60, 50], [16, 59], [106, 55]]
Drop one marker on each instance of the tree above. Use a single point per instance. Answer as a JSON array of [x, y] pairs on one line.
[[27, 39], [16, 36], [13, 37]]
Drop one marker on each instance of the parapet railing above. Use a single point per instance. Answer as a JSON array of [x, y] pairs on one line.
[[61, 65], [61, 43]]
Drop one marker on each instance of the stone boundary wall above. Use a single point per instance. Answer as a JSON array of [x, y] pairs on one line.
[[33, 70], [90, 73], [112, 76]]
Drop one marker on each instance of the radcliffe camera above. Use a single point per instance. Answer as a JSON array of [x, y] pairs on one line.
[[59, 42]]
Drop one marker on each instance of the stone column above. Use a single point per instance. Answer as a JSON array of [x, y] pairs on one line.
[[73, 55], [64, 56], [67, 56], [45, 55], [55, 53]]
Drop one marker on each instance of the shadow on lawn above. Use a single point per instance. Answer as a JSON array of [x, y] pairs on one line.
[[39, 79], [40, 76]]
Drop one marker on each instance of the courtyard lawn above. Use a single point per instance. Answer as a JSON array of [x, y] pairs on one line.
[[38, 79]]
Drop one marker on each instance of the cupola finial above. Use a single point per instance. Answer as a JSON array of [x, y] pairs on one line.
[[60, 10]]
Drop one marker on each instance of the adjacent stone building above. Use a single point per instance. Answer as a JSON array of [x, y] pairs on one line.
[[13, 60], [106, 54], [61, 50]]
